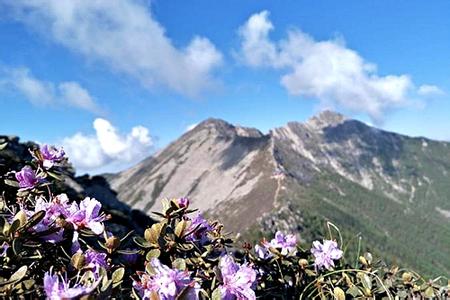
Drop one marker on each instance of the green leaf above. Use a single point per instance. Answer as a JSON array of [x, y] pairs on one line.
[[216, 294], [56, 176], [128, 252], [117, 275], [19, 274], [34, 220], [429, 292], [365, 280], [106, 285], [179, 264], [149, 269], [354, 291], [17, 246], [338, 293], [152, 234], [21, 216], [11, 183], [127, 235], [29, 283], [14, 226], [181, 226], [154, 253], [141, 242]]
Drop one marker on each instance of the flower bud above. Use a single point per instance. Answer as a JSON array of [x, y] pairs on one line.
[[339, 294], [61, 222], [303, 263], [363, 260], [112, 243], [407, 277], [78, 260], [182, 202]]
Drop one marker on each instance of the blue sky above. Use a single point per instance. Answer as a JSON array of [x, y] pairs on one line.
[[114, 81]]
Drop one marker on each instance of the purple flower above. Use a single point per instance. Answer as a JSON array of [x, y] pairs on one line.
[[262, 252], [51, 155], [287, 243], [95, 261], [167, 283], [95, 258], [87, 215], [57, 287], [3, 249], [53, 210], [199, 229], [238, 280], [183, 202], [325, 253], [27, 178]]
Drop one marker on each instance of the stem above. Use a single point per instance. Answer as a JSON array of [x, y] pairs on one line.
[[357, 253]]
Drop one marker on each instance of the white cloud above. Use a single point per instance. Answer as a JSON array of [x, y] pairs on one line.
[[257, 49], [36, 91], [326, 70], [40, 92], [124, 35], [75, 95], [429, 90], [107, 148]]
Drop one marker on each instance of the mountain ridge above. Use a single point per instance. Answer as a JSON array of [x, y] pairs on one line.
[[342, 170]]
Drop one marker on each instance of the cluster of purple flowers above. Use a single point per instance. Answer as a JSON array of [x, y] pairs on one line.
[[287, 244], [325, 254], [199, 226], [199, 229], [165, 282], [58, 287], [51, 156], [238, 280], [27, 177], [84, 215]]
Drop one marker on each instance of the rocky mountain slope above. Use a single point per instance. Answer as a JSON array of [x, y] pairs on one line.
[[391, 188]]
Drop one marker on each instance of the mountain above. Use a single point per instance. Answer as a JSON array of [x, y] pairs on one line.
[[391, 188]]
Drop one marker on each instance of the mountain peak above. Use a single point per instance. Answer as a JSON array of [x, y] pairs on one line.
[[228, 129], [214, 122], [326, 118]]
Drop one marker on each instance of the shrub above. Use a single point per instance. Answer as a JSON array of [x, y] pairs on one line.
[[53, 247]]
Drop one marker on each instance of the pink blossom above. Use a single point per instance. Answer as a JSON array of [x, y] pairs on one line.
[[238, 280], [325, 254], [27, 178], [167, 283], [57, 287], [51, 155], [287, 243], [87, 215]]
